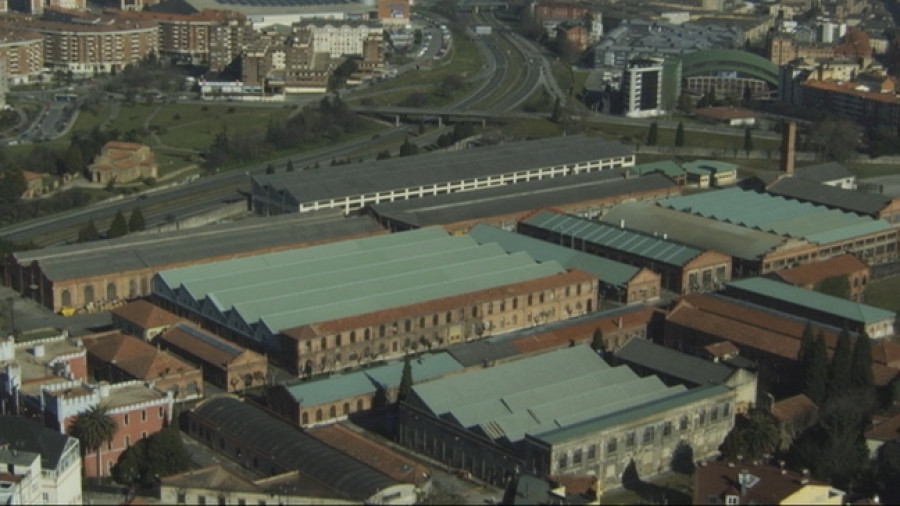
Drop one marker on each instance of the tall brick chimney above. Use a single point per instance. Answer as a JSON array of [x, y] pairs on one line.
[[788, 144]]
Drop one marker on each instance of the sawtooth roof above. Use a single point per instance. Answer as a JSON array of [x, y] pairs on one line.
[[291, 288], [608, 271], [519, 197], [541, 394], [161, 250], [352, 384], [775, 214], [291, 448], [657, 249], [426, 169]]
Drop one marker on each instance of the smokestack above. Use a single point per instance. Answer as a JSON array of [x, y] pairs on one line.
[[788, 144]]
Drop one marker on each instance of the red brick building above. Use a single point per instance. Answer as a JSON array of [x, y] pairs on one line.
[[811, 276]]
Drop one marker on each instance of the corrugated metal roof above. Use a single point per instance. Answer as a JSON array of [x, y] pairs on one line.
[[347, 385], [139, 251], [622, 239], [852, 311], [290, 448], [672, 362], [320, 283], [728, 238], [540, 393], [812, 191], [608, 271], [438, 167], [776, 214], [518, 198]]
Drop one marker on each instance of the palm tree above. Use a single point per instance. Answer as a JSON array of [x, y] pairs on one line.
[[93, 428]]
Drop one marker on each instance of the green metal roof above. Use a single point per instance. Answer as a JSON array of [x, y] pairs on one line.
[[667, 167], [320, 283], [608, 271], [651, 247], [710, 166], [778, 215], [637, 412], [344, 386], [540, 394], [850, 310], [710, 60]]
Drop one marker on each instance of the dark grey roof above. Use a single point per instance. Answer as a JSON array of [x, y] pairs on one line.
[[438, 167], [673, 363], [478, 352], [518, 198], [31, 436], [822, 172], [848, 200], [140, 251], [293, 449], [173, 7]]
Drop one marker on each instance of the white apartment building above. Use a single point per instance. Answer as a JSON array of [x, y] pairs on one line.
[[341, 38], [642, 88]]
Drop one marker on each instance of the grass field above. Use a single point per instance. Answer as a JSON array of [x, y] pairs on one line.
[[883, 293]]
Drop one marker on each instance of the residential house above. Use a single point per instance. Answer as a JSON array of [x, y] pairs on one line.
[[727, 482]]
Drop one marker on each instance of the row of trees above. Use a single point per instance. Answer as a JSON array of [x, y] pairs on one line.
[[118, 228], [850, 368]]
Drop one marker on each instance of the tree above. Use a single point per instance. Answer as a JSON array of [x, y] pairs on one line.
[[653, 134], [88, 232], [815, 371], [383, 155], [679, 135], [886, 472], [753, 436], [408, 148], [166, 454], [12, 185], [93, 429], [838, 286], [833, 139], [748, 140], [406, 381], [118, 227], [136, 221], [129, 470], [807, 341], [683, 458], [841, 360], [556, 115], [861, 364], [270, 169], [73, 160], [290, 166], [597, 342]]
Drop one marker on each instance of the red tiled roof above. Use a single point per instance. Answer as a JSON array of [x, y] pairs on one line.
[[812, 273], [849, 88], [206, 350], [134, 356], [721, 349], [718, 479], [376, 456], [886, 428], [761, 330], [793, 408], [146, 315], [583, 332], [123, 145]]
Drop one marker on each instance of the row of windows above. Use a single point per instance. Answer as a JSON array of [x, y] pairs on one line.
[[332, 412], [112, 292], [648, 435], [410, 325]]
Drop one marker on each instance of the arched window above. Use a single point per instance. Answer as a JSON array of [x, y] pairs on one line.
[[434, 320], [359, 404], [323, 344], [332, 412], [449, 316], [407, 326], [474, 311], [66, 298], [145, 286], [132, 289], [381, 331], [366, 334], [337, 340], [422, 322], [88, 294], [394, 346], [318, 415], [346, 408], [111, 291], [352, 337]]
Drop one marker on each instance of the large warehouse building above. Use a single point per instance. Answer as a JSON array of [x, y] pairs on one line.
[[562, 412], [333, 306], [761, 232], [101, 274], [352, 187]]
